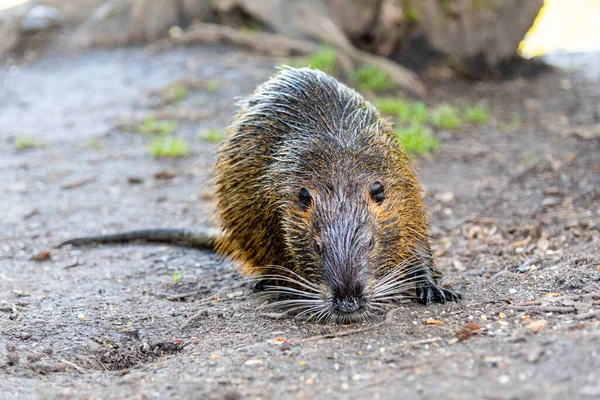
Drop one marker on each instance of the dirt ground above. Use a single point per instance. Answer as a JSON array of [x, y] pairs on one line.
[[515, 224]]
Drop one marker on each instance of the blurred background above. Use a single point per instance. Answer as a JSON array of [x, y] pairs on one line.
[[111, 113]]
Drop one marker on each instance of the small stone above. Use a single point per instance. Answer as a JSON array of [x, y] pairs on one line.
[[543, 244], [13, 358], [523, 268], [512, 291], [504, 379], [458, 265], [445, 197], [34, 357], [232, 295]]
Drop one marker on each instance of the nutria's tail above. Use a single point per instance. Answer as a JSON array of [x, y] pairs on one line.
[[199, 238]]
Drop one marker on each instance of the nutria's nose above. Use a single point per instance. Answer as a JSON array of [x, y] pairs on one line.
[[348, 304]]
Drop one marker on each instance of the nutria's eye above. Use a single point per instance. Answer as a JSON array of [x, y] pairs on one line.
[[372, 243], [318, 247], [305, 198], [377, 192]]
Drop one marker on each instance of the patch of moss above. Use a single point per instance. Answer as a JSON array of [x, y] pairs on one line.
[[174, 93], [477, 114], [151, 125], [96, 144], [417, 139], [411, 15], [371, 78], [446, 117], [325, 59], [23, 142], [177, 276], [213, 135], [168, 146], [404, 111], [252, 26], [212, 85]]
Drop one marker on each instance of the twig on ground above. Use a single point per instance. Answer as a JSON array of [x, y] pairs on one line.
[[581, 296], [543, 309], [588, 315], [505, 272], [527, 303], [193, 318], [175, 296], [274, 315], [76, 367], [78, 183]]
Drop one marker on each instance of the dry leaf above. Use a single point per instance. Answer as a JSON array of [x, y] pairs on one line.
[[431, 321], [164, 175], [537, 324], [468, 331], [42, 256]]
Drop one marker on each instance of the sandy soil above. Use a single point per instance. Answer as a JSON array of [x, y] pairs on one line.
[[515, 217]]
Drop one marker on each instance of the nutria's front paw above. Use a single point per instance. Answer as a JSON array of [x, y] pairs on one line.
[[433, 293]]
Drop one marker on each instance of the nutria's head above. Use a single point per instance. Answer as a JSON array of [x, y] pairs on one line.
[[350, 257]]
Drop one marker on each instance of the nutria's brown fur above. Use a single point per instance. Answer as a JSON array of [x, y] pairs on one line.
[[316, 197], [313, 185]]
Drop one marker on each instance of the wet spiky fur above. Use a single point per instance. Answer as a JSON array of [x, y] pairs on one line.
[[304, 129]]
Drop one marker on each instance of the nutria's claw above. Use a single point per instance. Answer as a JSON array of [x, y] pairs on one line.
[[433, 293]]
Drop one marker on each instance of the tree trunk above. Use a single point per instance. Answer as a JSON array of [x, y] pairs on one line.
[[491, 29]]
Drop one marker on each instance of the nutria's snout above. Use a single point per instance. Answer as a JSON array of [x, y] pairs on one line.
[[348, 299], [348, 305]]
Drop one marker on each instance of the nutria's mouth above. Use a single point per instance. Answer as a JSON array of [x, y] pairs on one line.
[[311, 301]]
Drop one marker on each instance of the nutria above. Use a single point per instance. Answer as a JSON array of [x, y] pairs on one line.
[[316, 195]]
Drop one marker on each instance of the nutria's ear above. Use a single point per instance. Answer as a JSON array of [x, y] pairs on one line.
[[305, 198], [377, 192]]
